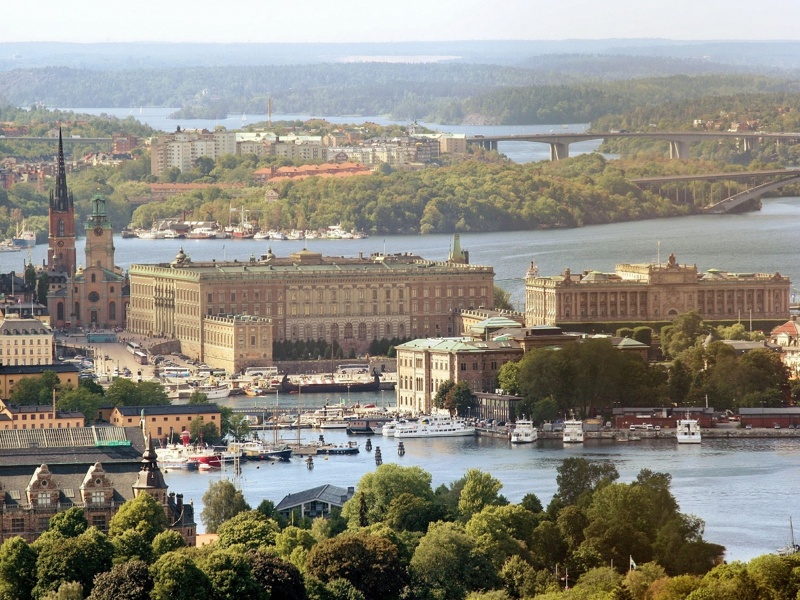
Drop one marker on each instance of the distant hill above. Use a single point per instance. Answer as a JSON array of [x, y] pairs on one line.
[[115, 56]]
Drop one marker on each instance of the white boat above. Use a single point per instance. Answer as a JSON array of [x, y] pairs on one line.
[[390, 427], [24, 238], [8, 246], [261, 235], [792, 548], [334, 424], [688, 431], [434, 426], [150, 234], [524, 432], [214, 391], [573, 431]]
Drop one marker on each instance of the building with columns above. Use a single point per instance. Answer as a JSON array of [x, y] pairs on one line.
[[94, 295], [653, 292]]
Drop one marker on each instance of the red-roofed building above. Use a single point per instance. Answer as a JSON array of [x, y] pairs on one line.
[[787, 337], [344, 169]]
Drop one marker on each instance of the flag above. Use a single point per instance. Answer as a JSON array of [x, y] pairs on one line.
[[632, 564]]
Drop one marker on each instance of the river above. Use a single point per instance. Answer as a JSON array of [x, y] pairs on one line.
[[745, 490]]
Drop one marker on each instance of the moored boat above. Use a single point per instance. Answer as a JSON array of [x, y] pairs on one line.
[[573, 431], [434, 426], [24, 238], [524, 432], [688, 431], [330, 384]]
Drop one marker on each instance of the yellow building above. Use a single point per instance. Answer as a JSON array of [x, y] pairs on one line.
[[653, 292], [25, 341], [38, 416], [10, 375], [307, 296], [165, 422]]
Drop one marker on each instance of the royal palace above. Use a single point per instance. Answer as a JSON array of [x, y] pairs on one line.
[[303, 296]]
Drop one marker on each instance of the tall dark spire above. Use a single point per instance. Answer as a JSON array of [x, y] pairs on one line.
[[61, 199]]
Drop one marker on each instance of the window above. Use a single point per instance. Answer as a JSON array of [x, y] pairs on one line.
[[98, 497], [43, 499], [99, 521], [17, 525], [94, 278]]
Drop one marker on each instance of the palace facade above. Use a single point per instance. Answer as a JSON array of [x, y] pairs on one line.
[[653, 292], [306, 296]]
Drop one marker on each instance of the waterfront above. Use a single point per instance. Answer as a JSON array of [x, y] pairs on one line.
[[741, 488], [762, 241]]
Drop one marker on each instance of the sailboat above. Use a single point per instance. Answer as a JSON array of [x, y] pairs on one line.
[[792, 548]]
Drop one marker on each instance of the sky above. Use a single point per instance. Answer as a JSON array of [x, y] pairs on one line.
[[404, 20]]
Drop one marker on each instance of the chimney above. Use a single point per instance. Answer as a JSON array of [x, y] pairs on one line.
[[179, 502]]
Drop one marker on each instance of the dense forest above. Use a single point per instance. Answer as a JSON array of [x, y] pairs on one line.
[[436, 92]]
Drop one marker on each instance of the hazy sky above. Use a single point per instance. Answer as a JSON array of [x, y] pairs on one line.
[[398, 20]]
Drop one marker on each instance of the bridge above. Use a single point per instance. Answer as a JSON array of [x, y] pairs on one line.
[[679, 141], [786, 177]]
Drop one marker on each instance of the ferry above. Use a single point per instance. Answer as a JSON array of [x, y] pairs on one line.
[[573, 432], [688, 431], [434, 426], [524, 432]]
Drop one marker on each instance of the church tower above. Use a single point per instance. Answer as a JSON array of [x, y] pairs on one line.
[[61, 254], [99, 237]]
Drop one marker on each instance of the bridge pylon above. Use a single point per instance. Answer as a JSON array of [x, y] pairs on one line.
[[559, 150], [678, 149]]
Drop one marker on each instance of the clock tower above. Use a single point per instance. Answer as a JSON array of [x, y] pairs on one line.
[[61, 241], [99, 237]]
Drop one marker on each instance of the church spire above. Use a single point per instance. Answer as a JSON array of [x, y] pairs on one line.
[[61, 199]]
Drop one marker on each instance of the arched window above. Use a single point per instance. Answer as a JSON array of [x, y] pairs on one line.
[[78, 311], [348, 331], [335, 331], [362, 331], [60, 228], [321, 331]]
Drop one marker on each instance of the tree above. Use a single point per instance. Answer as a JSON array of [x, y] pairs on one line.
[[230, 576], [141, 513], [68, 590], [83, 400], [448, 562], [502, 299], [444, 389], [508, 377], [577, 476], [249, 528], [382, 486], [167, 541], [221, 502], [77, 559], [17, 569], [127, 581], [293, 537], [203, 432], [124, 392], [480, 490], [177, 577], [368, 562], [459, 399], [198, 397], [42, 286], [131, 545], [281, 579], [408, 512], [69, 523]]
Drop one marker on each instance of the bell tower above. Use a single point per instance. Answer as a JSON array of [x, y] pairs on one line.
[[61, 241], [99, 237]]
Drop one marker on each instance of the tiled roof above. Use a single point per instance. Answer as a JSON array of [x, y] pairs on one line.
[[324, 493]]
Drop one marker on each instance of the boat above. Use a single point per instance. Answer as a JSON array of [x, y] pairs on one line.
[[202, 233], [688, 431], [8, 246], [389, 428], [150, 234], [524, 432], [330, 384], [341, 449], [792, 548], [333, 424], [573, 431], [261, 235], [214, 391], [178, 455], [365, 425], [24, 238], [258, 450], [434, 426], [127, 233]]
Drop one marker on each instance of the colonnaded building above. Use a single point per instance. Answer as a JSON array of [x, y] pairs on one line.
[[653, 292], [304, 296]]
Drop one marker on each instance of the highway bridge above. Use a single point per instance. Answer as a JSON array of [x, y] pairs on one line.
[[679, 141]]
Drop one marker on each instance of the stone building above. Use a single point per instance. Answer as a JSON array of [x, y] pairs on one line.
[[10, 375], [38, 416], [97, 469], [425, 364], [165, 422], [653, 292], [306, 296]]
